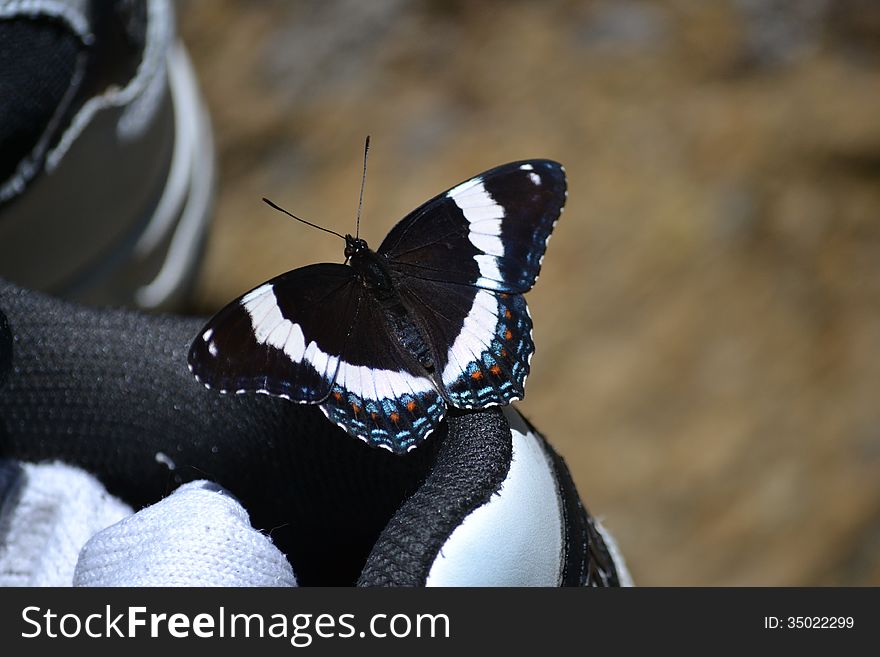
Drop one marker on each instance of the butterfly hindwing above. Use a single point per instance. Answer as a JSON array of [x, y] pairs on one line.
[[283, 338], [477, 376], [490, 231], [381, 393], [482, 340]]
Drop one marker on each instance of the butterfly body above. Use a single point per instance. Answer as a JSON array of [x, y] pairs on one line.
[[434, 318], [373, 271]]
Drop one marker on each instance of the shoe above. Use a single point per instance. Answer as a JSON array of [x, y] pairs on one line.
[[60, 527], [106, 155], [485, 502]]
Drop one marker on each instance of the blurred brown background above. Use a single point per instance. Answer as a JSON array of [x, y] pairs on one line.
[[708, 318]]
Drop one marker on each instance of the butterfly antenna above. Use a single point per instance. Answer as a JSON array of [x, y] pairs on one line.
[[357, 231], [307, 223]]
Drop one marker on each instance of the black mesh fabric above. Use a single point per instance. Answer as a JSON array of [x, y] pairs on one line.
[[110, 391], [5, 349], [37, 61]]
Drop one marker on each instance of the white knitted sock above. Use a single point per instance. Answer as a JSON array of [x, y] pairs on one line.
[[47, 514], [199, 536]]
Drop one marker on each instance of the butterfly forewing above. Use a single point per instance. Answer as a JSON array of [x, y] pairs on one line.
[[490, 231], [283, 338]]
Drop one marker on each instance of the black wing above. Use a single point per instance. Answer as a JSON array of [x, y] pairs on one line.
[[490, 231], [283, 338], [463, 260]]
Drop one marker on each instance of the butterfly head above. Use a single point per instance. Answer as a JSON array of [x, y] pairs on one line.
[[355, 246]]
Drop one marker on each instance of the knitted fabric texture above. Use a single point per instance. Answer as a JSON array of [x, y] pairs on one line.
[[48, 512], [37, 60], [199, 536]]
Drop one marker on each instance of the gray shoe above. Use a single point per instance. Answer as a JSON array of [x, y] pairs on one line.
[[106, 157]]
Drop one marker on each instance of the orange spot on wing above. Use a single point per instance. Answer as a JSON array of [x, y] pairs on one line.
[[394, 417], [410, 406], [477, 375], [504, 295], [373, 416], [337, 396], [495, 370], [508, 335], [356, 408], [504, 352]]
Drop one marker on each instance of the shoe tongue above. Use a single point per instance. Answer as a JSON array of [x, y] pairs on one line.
[[339, 494], [37, 63]]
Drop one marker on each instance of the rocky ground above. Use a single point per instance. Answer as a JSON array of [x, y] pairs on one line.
[[708, 317]]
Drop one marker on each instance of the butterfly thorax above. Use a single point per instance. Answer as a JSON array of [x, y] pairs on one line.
[[373, 272], [370, 267]]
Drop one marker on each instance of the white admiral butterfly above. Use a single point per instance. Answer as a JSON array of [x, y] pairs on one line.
[[433, 318]]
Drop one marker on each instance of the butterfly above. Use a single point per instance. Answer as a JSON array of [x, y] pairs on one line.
[[387, 342]]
